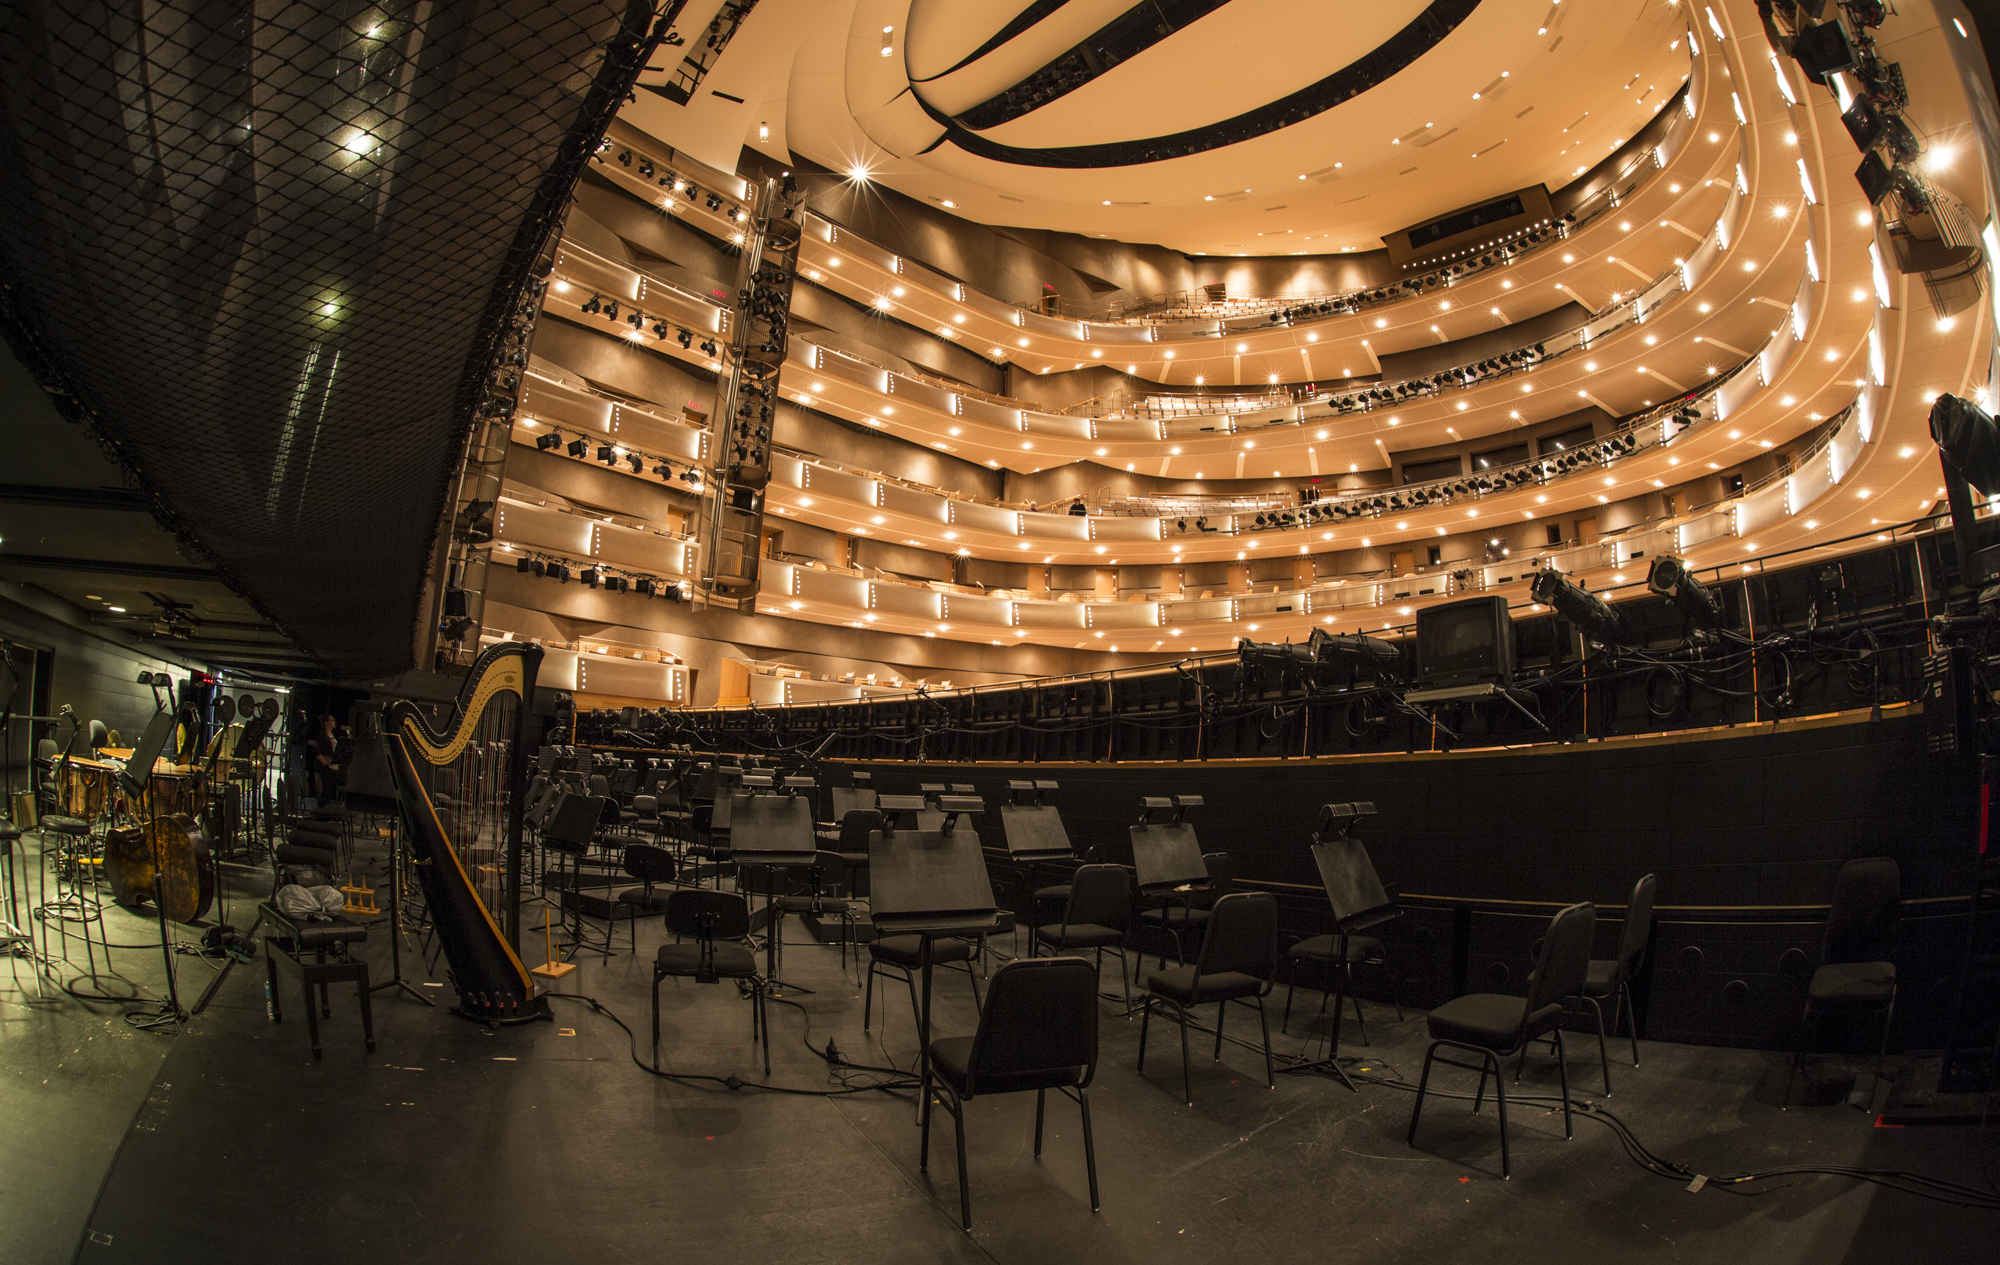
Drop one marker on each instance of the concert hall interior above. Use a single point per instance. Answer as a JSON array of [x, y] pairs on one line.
[[623, 621]]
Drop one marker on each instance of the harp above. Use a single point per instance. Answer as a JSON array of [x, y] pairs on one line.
[[460, 796]]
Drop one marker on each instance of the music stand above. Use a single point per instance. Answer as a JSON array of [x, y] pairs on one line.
[[772, 827], [570, 829], [1357, 896], [137, 779], [371, 787], [929, 884], [1165, 852]]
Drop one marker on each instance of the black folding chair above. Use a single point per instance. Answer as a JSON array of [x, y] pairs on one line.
[[1494, 1025], [1239, 955], [1854, 976], [1038, 1031], [718, 922]]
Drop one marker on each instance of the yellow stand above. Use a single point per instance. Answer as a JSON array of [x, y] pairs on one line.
[[550, 968], [360, 900]]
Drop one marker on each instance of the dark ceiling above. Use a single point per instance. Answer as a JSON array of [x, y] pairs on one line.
[[269, 255]]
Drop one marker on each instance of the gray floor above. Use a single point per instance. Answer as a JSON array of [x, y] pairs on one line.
[[227, 1142]]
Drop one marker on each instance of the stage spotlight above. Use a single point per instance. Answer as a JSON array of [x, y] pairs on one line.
[[589, 577], [646, 168], [637, 462], [539, 568], [1968, 441], [1593, 617], [524, 565], [713, 202], [1670, 578], [605, 454], [661, 329], [611, 309], [625, 158], [691, 476], [560, 571], [636, 319], [648, 587], [595, 303], [551, 440], [685, 338], [708, 347], [577, 447]]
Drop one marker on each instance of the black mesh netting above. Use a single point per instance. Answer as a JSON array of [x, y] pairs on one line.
[[269, 254]]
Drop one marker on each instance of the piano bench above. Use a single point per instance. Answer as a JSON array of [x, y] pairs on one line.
[[319, 939]]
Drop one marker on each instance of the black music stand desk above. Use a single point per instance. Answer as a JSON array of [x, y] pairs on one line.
[[774, 829], [929, 884], [1360, 903]]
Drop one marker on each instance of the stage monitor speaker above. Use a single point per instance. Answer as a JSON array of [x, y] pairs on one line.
[[1822, 49], [1877, 178]]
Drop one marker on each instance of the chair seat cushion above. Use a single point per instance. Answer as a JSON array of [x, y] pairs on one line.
[[1177, 984], [1174, 916], [904, 951], [1603, 978], [65, 825], [1853, 986], [1327, 948], [1491, 1020], [1079, 935], [311, 937], [951, 1061], [732, 961], [806, 904]]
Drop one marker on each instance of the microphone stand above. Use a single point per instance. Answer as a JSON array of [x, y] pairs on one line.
[[86, 907]]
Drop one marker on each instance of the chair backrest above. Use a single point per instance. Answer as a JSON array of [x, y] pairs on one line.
[[855, 828], [46, 749], [1100, 894], [599, 785], [1638, 923], [1040, 1016], [706, 914], [1221, 876], [649, 864], [1861, 926], [645, 805], [1564, 962], [1242, 936], [99, 735]]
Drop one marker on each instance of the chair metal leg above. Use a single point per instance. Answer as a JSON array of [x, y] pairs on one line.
[[964, 1185], [924, 1093], [1631, 1017], [764, 1021], [1089, 1144], [1221, 1014], [1562, 1074], [1500, 1101], [1270, 1074], [1479, 1096], [868, 1002], [1041, 1097], [1602, 1059], [1187, 1078], [1798, 1058], [1423, 1083], [1291, 982], [656, 1021], [1359, 1018], [1145, 1022]]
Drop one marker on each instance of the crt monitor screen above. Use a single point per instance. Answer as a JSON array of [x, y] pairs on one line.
[[1464, 642]]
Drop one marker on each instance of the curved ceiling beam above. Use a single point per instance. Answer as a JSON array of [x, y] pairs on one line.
[[1393, 56], [1021, 22]]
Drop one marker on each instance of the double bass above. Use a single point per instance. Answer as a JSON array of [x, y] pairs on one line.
[[167, 855]]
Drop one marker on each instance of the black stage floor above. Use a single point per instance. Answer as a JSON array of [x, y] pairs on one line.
[[227, 1142]]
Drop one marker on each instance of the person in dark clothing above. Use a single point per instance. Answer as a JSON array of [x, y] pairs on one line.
[[1077, 508], [324, 750]]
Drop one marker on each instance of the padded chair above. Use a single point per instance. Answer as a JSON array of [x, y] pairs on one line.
[[1854, 975], [1239, 955], [713, 848], [1495, 1025], [718, 922], [1098, 915], [1333, 952], [328, 943], [1055, 893], [1182, 914], [1038, 1031], [852, 845], [827, 870], [650, 865], [887, 954], [1612, 980]]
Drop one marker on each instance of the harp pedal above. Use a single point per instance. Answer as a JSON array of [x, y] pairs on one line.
[[360, 900]]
